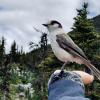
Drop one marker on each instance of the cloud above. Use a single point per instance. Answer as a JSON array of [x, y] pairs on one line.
[[94, 7], [17, 17]]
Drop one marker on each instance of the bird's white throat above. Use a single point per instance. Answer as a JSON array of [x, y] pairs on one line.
[[56, 31]]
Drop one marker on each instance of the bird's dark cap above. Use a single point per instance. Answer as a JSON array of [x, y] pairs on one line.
[[52, 22]]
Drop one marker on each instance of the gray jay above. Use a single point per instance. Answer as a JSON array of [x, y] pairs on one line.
[[65, 49]]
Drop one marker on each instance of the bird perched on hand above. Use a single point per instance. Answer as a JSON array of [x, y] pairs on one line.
[[65, 49]]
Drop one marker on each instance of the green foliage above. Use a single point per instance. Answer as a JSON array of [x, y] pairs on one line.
[[84, 33], [36, 66], [96, 21], [82, 24], [50, 61], [2, 51], [86, 37], [14, 53]]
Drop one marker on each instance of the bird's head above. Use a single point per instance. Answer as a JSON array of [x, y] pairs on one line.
[[53, 25]]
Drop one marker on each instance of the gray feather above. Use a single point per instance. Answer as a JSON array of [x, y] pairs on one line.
[[67, 44]]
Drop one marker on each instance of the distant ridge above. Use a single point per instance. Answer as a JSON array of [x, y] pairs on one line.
[[96, 21]]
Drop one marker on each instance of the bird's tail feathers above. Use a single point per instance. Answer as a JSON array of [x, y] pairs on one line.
[[94, 70]]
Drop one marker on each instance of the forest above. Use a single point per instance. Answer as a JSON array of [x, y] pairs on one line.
[[24, 75]]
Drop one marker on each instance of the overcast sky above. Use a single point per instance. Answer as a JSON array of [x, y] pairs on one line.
[[18, 17]]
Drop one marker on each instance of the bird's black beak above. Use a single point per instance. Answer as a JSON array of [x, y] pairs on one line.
[[46, 25]]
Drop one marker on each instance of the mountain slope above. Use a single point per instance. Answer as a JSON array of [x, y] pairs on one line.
[[96, 21]]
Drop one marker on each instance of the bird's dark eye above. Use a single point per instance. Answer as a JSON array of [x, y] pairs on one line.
[[52, 23], [56, 22]]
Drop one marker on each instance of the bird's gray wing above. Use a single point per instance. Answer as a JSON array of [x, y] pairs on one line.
[[66, 43]]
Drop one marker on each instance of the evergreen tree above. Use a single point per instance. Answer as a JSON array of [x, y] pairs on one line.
[[4, 71], [2, 50], [43, 44], [6, 75], [85, 36], [84, 33], [13, 52], [82, 23]]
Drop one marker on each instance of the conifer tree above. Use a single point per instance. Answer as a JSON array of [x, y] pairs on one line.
[[43, 44], [85, 36], [84, 33], [4, 71], [2, 50], [13, 52]]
